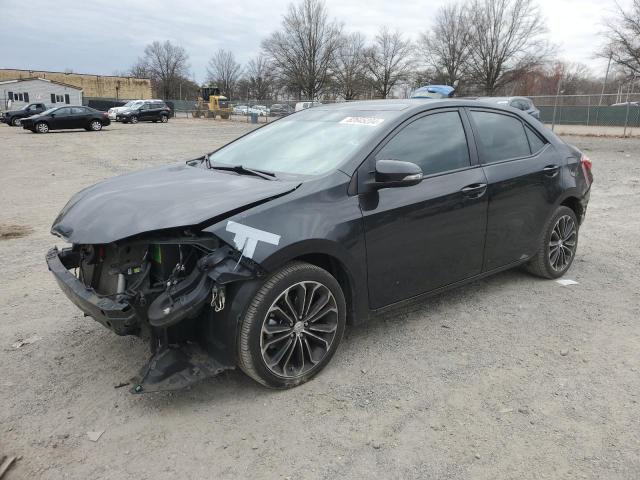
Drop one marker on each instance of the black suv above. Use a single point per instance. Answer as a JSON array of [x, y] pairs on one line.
[[258, 254], [13, 117], [151, 111]]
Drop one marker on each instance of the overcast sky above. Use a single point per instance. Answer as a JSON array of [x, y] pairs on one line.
[[105, 36]]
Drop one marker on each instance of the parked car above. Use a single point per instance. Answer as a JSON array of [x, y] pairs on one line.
[[113, 111], [305, 105], [240, 110], [147, 111], [66, 118], [434, 91], [521, 103], [14, 117], [261, 110], [281, 109], [257, 255], [624, 104]]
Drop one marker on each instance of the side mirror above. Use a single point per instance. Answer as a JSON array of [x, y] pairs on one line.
[[394, 173], [53, 115]]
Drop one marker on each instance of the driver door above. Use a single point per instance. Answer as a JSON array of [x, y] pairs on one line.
[[63, 119], [423, 237]]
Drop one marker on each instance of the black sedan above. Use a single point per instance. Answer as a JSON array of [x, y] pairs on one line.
[[14, 117], [65, 118], [257, 255]]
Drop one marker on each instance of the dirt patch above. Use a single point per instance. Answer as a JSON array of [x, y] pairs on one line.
[[14, 231], [510, 377]]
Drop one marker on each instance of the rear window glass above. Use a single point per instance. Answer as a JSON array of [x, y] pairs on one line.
[[501, 137], [535, 141]]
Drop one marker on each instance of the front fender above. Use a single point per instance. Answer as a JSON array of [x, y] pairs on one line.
[[323, 221]]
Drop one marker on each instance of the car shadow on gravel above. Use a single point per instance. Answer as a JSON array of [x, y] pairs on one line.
[[227, 387]]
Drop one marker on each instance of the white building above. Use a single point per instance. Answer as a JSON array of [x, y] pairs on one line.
[[14, 94]]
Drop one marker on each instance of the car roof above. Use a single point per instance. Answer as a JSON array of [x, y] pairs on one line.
[[412, 105]]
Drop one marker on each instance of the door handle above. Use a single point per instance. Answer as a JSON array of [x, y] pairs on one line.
[[551, 170], [475, 190]]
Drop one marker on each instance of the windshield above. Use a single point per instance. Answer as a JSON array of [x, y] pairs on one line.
[[130, 103], [47, 112], [312, 142]]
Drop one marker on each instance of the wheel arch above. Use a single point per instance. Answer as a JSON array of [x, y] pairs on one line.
[[333, 258], [574, 203]]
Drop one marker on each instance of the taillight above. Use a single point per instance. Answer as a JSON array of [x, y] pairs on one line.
[[586, 168]]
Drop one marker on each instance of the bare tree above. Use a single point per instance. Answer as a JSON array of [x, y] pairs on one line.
[[506, 39], [388, 61], [166, 65], [223, 71], [349, 69], [259, 78], [623, 39], [303, 50], [445, 48]]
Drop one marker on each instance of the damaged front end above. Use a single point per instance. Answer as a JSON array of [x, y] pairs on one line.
[[169, 288]]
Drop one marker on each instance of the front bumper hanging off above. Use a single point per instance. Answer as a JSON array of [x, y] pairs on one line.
[[171, 366]]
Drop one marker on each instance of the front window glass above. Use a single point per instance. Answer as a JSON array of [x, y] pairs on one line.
[[311, 142], [436, 143]]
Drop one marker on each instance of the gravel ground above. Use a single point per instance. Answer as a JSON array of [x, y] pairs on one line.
[[510, 377]]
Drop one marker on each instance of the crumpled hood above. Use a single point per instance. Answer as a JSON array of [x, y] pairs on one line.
[[158, 198]]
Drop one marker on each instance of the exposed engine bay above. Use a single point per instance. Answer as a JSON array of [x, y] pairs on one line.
[[170, 289]]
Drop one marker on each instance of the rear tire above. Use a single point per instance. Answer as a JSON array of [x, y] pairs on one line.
[[558, 246], [292, 327], [95, 125], [164, 118]]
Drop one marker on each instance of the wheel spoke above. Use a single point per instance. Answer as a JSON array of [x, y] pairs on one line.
[[322, 327], [290, 306], [275, 359], [274, 340], [301, 298], [272, 329], [277, 310], [316, 337], [309, 350]]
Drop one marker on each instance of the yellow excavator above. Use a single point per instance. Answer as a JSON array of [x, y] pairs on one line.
[[211, 104]]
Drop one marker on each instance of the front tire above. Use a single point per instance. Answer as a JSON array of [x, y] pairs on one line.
[[292, 327], [134, 119], [15, 122], [42, 127], [558, 246]]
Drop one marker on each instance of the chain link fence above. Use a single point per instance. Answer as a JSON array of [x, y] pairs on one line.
[[608, 114]]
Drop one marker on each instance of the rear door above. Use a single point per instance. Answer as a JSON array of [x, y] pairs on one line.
[[524, 184], [429, 235], [80, 117]]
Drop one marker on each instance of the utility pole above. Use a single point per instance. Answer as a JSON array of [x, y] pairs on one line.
[[604, 85]]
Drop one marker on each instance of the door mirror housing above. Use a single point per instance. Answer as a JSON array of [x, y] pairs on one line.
[[395, 173]]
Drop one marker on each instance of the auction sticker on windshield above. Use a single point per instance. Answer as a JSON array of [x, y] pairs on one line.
[[371, 121]]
